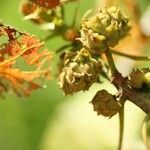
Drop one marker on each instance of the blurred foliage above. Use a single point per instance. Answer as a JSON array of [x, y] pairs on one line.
[[23, 120]]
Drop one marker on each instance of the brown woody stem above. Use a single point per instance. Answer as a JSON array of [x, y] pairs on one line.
[[140, 102]]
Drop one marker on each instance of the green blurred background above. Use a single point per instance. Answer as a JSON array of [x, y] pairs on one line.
[[47, 120]]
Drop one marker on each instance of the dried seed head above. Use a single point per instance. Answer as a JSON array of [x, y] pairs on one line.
[[105, 104], [109, 25], [138, 78], [80, 71]]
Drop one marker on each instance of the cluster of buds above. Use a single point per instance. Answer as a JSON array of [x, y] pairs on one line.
[[105, 29], [80, 70]]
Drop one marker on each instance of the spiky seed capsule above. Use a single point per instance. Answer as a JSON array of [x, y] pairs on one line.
[[109, 24], [105, 104], [80, 71], [138, 78]]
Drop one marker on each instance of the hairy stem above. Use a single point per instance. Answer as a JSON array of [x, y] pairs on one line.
[[134, 57], [121, 124]]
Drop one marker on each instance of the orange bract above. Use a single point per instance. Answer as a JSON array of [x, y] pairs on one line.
[[47, 3], [26, 48]]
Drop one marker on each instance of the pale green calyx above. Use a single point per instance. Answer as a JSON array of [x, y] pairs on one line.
[[109, 24], [80, 71]]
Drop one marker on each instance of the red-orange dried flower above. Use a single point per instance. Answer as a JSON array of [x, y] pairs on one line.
[[47, 3], [26, 47]]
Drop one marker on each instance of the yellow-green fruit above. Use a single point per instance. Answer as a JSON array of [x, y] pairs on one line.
[[80, 71], [147, 79], [109, 23], [105, 104]]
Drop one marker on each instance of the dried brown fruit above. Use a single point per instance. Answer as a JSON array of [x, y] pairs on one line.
[[105, 104]]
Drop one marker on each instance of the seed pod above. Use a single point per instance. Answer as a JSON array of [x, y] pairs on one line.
[[80, 71], [109, 25], [105, 104]]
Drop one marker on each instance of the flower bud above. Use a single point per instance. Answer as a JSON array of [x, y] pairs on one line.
[[109, 25], [105, 104], [80, 71]]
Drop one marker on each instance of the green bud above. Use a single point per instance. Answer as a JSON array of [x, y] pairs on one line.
[[80, 71]]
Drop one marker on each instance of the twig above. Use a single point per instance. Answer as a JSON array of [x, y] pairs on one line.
[[49, 37], [134, 57], [144, 132], [75, 17], [121, 123], [63, 48]]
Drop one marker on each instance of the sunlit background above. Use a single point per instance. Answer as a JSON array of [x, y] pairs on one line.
[[49, 121]]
